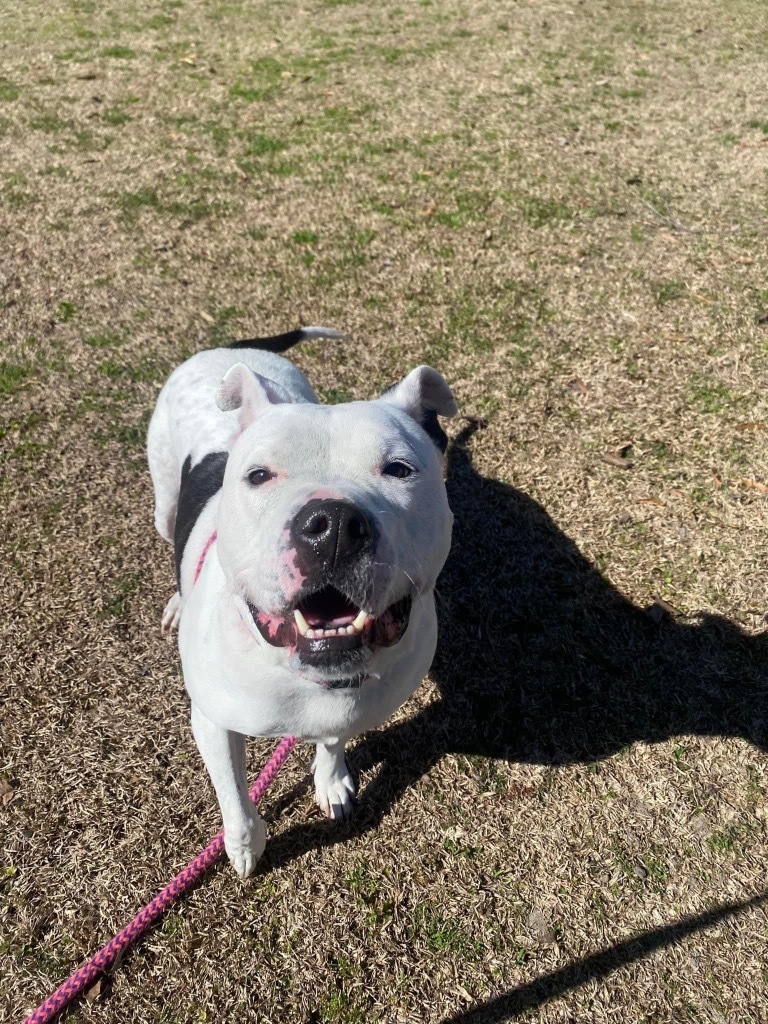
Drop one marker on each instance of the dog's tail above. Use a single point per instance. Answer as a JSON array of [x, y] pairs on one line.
[[282, 342]]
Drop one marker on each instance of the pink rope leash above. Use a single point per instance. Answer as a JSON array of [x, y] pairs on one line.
[[85, 975]]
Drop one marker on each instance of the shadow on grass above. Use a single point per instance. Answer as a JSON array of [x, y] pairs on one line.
[[598, 965], [542, 660]]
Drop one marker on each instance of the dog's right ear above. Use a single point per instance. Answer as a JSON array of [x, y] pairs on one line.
[[249, 392]]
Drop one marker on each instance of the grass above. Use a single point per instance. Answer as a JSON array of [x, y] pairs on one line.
[[563, 211], [13, 377]]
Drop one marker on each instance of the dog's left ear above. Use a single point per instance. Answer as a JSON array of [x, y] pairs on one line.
[[424, 395], [249, 392]]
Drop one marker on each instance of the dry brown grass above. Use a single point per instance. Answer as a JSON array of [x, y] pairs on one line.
[[505, 190]]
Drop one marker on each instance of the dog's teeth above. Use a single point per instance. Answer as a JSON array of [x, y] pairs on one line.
[[359, 623], [323, 631]]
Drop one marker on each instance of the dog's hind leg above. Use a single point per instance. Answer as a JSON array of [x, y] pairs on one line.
[[245, 834], [164, 469]]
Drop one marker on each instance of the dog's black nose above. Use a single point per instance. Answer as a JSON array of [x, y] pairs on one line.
[[328, 533]]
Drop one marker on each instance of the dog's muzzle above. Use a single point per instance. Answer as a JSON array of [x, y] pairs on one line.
[[331, 626], [327, 629]]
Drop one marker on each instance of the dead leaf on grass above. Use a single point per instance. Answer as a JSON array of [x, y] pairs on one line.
[[541, 928], [650, 501], [661, 608], [517, 791], [617, 460], [753, 425], [753, 485], [7, 792], [98, 988]]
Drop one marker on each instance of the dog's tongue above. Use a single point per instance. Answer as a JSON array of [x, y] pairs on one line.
[[328, 608]]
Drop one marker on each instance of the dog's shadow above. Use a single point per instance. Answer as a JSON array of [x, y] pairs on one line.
[[541, 660]]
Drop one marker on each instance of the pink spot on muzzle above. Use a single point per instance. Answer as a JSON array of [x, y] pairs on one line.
[[289, 575], [325, 496]]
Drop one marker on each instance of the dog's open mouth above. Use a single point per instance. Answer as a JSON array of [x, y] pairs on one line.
[[327, 624]]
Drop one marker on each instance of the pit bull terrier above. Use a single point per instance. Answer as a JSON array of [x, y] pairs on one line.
[[308, 539]]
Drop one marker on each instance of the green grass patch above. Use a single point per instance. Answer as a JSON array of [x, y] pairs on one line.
[[442, 935], [158, 21], [66, 311], [304, 237], [538, 212], [258, 144], [8, 91], [468, 207], [117, 600], [711, 396], [336, 396], [119, 52], [114, 116], [667, 291], [13, 377], [144, 199], [103, 340], [191, 210], [49, 123], [342, 119], [263, 82], [732, 838]]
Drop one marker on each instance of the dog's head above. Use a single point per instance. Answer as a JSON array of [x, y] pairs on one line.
[[334, 519]]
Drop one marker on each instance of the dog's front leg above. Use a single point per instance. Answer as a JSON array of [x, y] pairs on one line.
[[245, 834], [334, 788]]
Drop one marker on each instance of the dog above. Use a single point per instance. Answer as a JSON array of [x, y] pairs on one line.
[[308, 539]]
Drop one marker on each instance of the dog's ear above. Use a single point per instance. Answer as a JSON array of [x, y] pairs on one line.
[[424, 395], [249, 392]]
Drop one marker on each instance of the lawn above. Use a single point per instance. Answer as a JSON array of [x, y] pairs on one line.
[[563, 206]]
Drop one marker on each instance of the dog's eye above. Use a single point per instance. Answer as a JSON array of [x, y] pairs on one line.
[[259, 476], [401, 470]]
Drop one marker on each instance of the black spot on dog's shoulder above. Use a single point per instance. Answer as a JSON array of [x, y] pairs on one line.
[[198, 485]]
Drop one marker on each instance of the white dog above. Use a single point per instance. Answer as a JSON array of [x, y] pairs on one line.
[[308, 539]]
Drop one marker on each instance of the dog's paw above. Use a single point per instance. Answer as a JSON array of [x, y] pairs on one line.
[[335, 793], [245, 845], [172, 614]]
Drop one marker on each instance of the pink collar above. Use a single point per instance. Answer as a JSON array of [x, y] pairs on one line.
[[201, 560]]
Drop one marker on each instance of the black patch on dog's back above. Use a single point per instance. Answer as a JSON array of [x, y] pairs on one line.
[[198, 486]]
